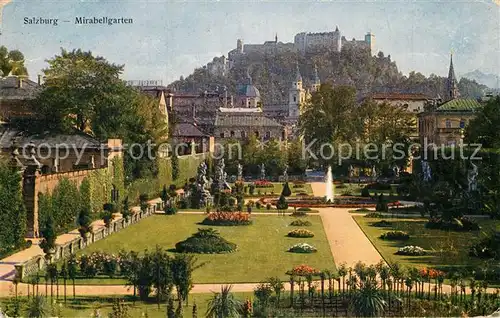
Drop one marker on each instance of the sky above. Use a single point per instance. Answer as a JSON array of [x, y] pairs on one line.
[[170, 38]]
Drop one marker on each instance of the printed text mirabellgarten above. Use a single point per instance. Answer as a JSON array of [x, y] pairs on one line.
[[103, 20]]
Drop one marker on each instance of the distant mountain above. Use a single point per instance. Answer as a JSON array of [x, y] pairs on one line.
[[273, 73], [490, 80]]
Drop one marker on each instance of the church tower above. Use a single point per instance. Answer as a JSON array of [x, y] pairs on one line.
[[316, 83], [296, 96], [451, 83]]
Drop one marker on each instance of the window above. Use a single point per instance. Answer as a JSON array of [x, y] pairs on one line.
[[268, 134], [283, 135], [222, 134], [232, 134], [242, 103], [447, 123], [462, 123], [243, 134], [257, 134], [294, 98]]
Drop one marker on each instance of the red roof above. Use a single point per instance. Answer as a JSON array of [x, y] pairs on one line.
[[399, 96]]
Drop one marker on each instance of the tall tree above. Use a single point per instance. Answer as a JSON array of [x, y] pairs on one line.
[[12, 62], [483, 129], [327, 119]]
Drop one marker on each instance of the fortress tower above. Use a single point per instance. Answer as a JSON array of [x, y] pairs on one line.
[[370, 41], [316, 83]]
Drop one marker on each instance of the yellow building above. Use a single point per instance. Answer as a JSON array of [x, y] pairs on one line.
[[444, 124]]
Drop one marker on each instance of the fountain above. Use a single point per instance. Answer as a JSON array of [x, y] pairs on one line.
[[329, 185]]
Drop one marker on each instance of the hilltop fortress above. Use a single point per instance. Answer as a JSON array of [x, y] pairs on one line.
[[303, 43]]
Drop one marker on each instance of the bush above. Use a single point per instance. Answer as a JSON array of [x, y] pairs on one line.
[[462, 224], [362, 210], [227, 219], [268, 206], [301, 223], [299, 214], [378, 186], [382, 223], [205, 241], [305, 209], [286, 190], [300, 233], [373, 215], [411, 251], [170, 210], [382, 204], [365, 192], [395, 236], [487, 248], [302, 248], [258, 205]]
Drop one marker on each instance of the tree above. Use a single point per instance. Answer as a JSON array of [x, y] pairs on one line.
[[297, 164], [182, 267], [84, 222], [72, 270], [174, 160], [12, 63], [286, 190], [328, 119], [126, 213], [223, 304], [483, 128], [48, 243], [282, 205], [12, 210], [64, 274]]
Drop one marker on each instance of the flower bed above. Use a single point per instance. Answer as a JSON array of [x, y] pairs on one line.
[[395, 236], [301, 223], [459, 224], [300, 233], [299, 213], [382, 223], [303, 270], [411, 251], [374, 215], [227, 219], [205, 241], [263, 184], [302, 248]]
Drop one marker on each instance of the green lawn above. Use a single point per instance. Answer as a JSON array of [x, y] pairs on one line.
[[262, 247], [278, 187], [447, 249], [86, 306]]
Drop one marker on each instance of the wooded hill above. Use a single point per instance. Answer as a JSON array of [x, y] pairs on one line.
[[272, 74]]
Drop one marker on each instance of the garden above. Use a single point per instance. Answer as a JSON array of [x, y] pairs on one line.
[[255, 251], [417, 243]]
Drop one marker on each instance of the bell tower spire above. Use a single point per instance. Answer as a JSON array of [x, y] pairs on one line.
[[451, 82]]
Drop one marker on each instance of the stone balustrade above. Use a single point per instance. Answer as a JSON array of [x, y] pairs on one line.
[[38, 263]]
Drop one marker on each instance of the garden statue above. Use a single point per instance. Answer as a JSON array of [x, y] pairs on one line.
[[472, 177], [285, 173], [240, 172], [395, 169], [262, 172], [374, 172], [351, 171], [426, 171], [220, 178], [202, 185]]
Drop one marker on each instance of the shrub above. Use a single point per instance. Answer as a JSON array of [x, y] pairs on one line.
[[411, 251], [205, 241], [457, 224], [378, 186], [382, 223], [299, 214], [395, 236], [263, 184], [301, 223], [365, 192], [373, 215], [362, 210], [111, 207], [382, 204], [487, 248], [170, 210], [227, 219], [300, 233], [305, 209], [302, 248], [268, 206], [258, 205], [286, 190]]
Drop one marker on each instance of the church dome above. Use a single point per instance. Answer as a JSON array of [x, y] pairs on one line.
[[248, 90]]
